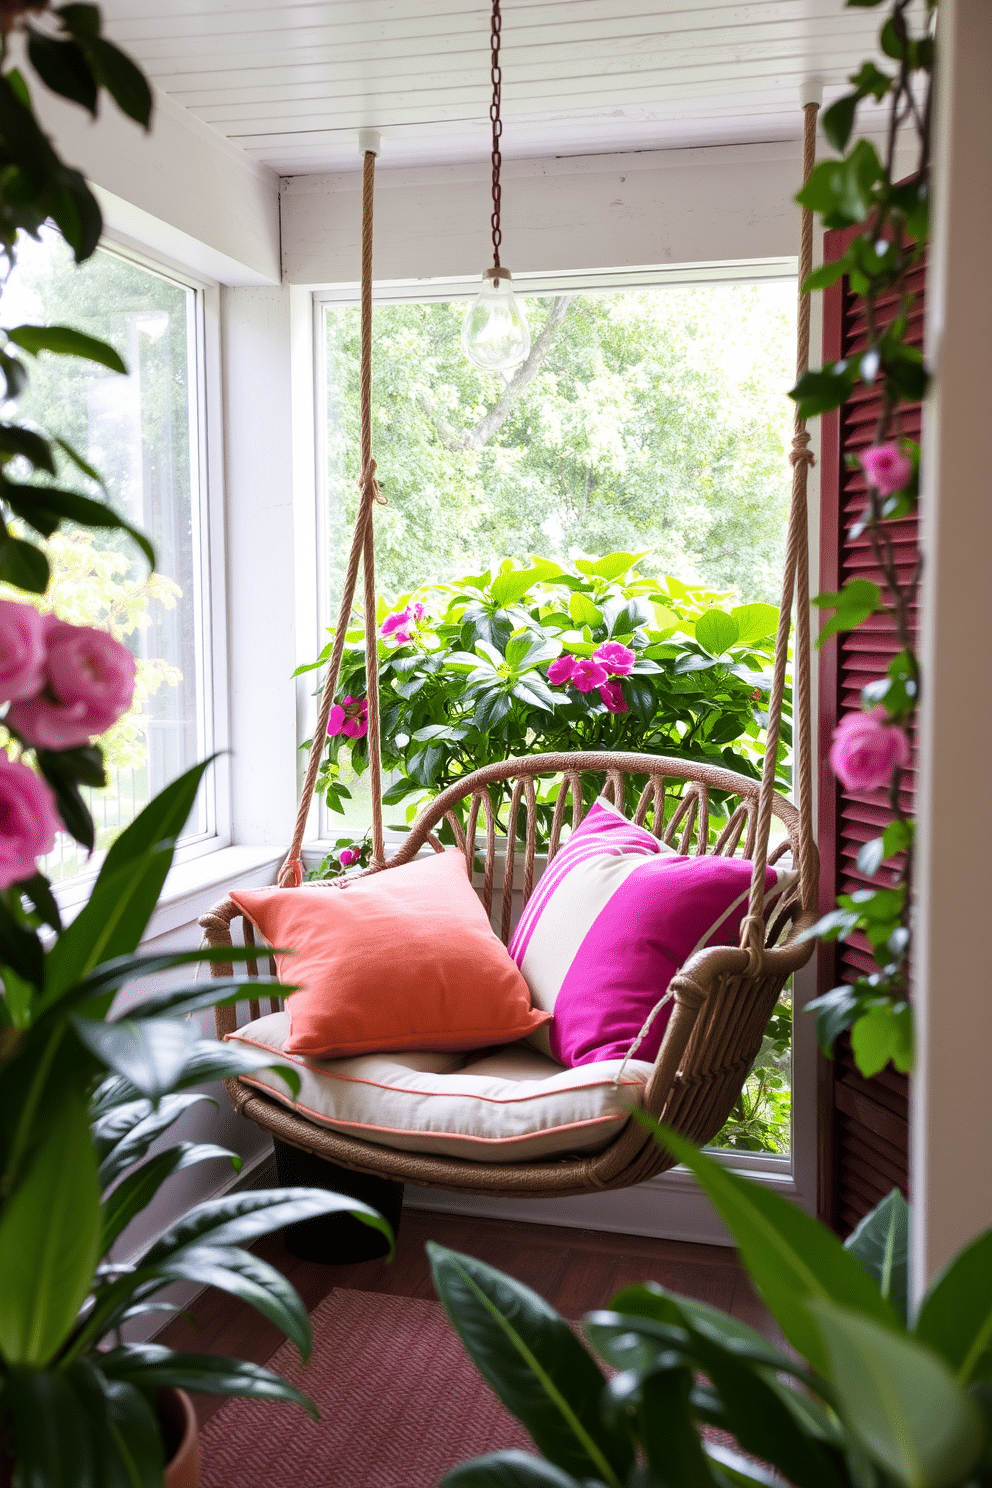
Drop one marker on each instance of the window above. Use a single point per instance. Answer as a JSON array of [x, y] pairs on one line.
[[143, 434], [649, 419]]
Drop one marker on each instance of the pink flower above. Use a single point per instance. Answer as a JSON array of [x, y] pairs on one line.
[[588, 674], [612, 695], [615, 657], [347, 856], [22, 652], [90, 684], [350, 719], [888, 468], [28, 821], [867, 750], [417, 611], [399, 626], [561, 671]]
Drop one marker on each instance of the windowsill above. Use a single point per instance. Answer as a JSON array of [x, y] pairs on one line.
[[191, 888]]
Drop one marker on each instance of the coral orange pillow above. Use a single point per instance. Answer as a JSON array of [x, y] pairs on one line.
[[404, 959]]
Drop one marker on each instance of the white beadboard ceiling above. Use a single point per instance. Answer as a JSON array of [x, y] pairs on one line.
[[292, 84]]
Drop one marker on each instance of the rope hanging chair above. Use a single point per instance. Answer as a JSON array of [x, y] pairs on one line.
[[723, 996]]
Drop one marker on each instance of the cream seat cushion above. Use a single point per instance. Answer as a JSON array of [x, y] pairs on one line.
[[497, 1105]]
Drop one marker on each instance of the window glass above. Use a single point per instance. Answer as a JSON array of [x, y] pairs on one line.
[[140, 433], [651, 421]]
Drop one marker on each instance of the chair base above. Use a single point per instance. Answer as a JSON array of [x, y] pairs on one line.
[[337, 1239]]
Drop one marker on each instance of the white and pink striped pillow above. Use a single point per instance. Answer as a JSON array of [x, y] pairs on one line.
[[609, 924]]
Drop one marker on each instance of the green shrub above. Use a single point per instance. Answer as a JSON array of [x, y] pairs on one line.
[[464, 676]]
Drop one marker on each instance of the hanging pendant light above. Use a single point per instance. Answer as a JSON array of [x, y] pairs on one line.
[[495, 334]]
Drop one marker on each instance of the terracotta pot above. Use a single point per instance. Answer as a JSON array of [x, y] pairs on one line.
[[181, 1438]]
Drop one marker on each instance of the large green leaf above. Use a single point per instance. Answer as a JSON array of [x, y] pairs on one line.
[[665, 1428], [955, 1316], [881, 1243], [534, 1362], [161, 1056], [239, 1219], [124, 1432], [150, 1366], [649, 1300], [716, 632], [136, 1191], [50, 1430], [898, 1399], [755, 622], [791, 1257], [110, 976], [127, 888], [49, 1238], [247, 1277], [64, 341], [125, 1133], [512, 585], [511, 1469]]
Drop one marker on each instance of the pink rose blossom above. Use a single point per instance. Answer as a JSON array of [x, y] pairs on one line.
[[22, 652], [588, 674], [611, 694], [90, 684], [28, 821], [347, 856], [867, 750], [350, 718], [561, 671], [615, 657], [888, 468]]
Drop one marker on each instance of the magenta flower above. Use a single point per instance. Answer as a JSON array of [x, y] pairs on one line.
[[888, 468], [399, 626], [28, 821], [611, 694], [350, 718], [588, 674], [417, 611], [867, 750], [561, 671], [347, 856], [615, 657], [22, 652], [90, 684]]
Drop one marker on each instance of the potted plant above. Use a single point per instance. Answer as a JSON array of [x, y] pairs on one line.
[[875, 1393]]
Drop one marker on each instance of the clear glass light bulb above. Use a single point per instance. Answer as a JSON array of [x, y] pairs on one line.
[[495, 334]]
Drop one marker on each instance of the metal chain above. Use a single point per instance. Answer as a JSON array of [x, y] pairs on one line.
[[497, 123]]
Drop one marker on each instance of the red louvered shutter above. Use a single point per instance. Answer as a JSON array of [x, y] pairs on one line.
[[863, 1123]]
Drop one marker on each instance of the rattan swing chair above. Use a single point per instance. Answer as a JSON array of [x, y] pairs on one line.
[[722, 996]]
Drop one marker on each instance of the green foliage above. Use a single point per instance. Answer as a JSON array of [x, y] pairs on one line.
[[872, 1395], [84, 1094], [471, 683], [646, 419], [71, 57], [761, 1119]]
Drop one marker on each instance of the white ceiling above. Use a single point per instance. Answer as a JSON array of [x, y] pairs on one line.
[[292, 83]]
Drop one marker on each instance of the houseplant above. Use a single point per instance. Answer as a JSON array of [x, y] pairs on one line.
[[544, 657], [874, 1392]]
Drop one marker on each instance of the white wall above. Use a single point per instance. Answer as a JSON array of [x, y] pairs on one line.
[[951, 1123], [182, 191], [585, 212]]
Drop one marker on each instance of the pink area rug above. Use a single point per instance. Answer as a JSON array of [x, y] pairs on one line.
[[400, 1405]]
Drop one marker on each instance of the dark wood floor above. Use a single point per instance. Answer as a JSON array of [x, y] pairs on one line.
[[576, 1270]]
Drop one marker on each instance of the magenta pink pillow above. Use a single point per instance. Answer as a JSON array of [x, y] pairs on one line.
[[609, 924]]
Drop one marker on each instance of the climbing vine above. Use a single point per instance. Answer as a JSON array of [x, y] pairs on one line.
[[871, 747]]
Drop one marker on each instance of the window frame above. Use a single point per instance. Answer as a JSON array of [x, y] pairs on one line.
[[207, 526], [792, 1175]]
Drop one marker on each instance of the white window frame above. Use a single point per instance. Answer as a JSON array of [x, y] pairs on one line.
[[686, 1216], [207, 525]]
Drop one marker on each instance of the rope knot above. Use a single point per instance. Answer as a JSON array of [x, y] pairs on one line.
[[753, 941], [799, 452], [367, 481], [290, 874]]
